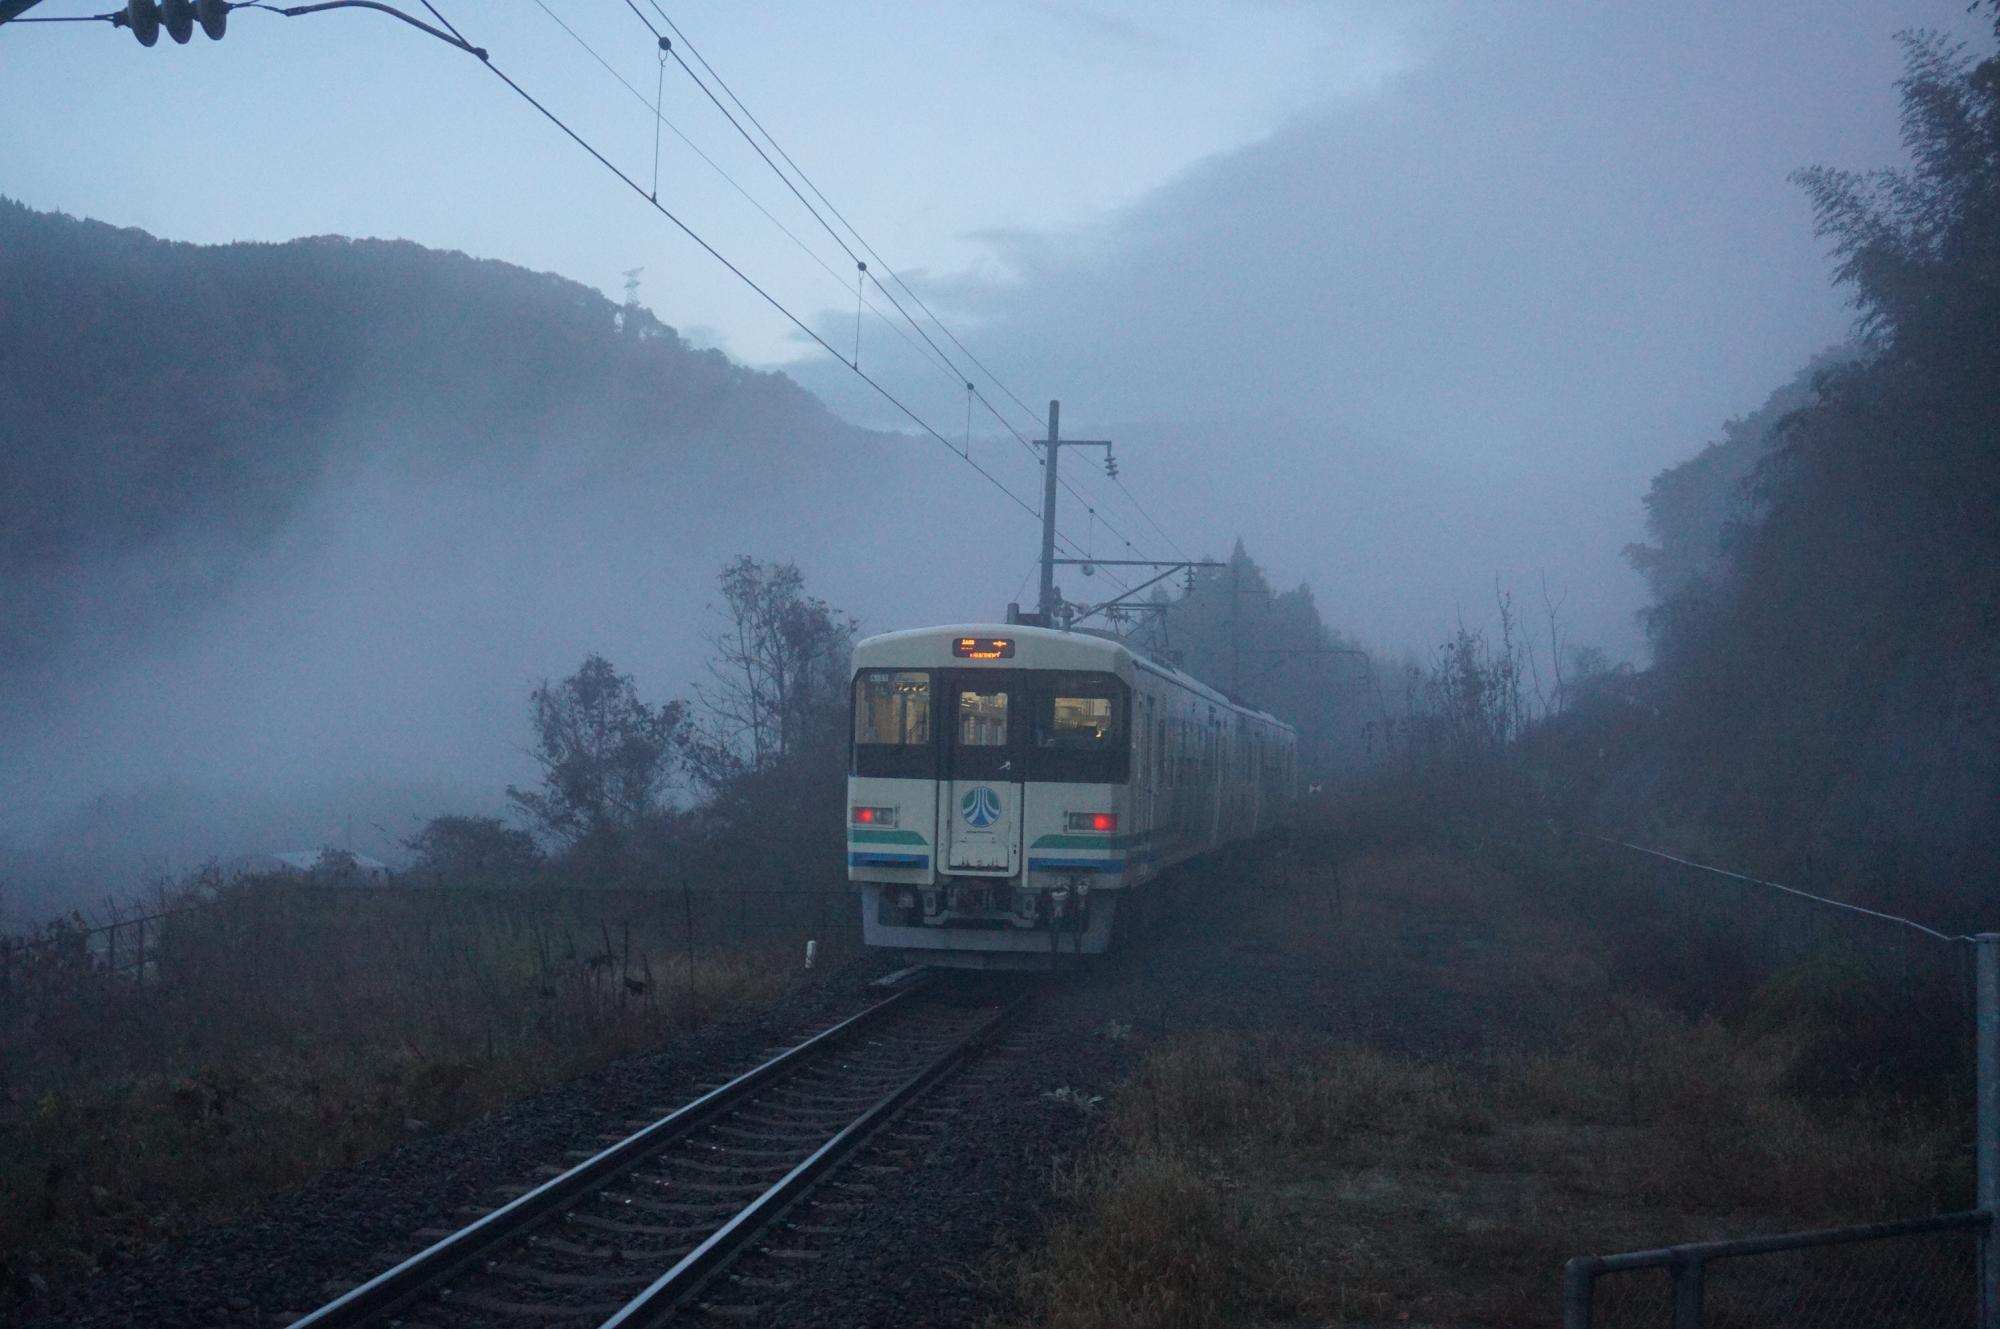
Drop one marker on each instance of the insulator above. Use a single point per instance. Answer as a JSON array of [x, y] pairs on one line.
[[178, 17], [143, 17], [214, 17]]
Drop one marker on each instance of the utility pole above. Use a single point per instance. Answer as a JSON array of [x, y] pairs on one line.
[[1049, 606], [1046, 605], [1235, 627]]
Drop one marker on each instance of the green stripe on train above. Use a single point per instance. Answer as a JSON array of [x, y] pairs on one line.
[[1091, 841], [885, 837]]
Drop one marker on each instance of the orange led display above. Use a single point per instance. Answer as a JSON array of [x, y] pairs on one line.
[[983, 648]]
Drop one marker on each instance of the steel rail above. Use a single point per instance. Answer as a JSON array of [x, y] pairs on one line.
[[674, 1287], [450, 1255]]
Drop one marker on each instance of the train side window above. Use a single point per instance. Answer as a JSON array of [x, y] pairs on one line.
[[1078, 727], [982, 719]]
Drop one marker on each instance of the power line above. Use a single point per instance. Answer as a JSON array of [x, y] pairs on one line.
[[451, 36], [821, 195], [67, 18], [1876, 914], [947, 366], [661, 118], [1090, 506], [1140, 509], [957, 376], [695, 236], [714, 253]]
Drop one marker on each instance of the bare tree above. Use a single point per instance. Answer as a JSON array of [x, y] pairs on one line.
[[606, 756], [779, 670]]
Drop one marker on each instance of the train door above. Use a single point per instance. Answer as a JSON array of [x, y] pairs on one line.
[[979, 819]]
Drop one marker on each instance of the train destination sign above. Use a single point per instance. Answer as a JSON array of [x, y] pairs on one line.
[[983, 648]]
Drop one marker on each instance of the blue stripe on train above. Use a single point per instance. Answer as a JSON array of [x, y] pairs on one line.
[[1088, 864], [877, 858]]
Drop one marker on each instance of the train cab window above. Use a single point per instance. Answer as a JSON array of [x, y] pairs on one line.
[[982, 719], [892, 724]]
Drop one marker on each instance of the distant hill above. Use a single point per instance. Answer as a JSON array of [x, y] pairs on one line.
[[166, 408]]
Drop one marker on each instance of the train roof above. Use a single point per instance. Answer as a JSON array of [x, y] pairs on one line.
[[1051, 648]]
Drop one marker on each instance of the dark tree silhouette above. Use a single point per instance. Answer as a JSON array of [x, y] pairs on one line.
[[606, 756]]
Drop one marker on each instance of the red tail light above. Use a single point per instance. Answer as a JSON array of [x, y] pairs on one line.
[[1093, 821], [873, 816], [864, 815]]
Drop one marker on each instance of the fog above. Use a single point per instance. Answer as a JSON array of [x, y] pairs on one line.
[[1445, 333], [1423, 331], [372, 667]]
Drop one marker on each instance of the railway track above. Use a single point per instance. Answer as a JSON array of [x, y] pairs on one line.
[[635, 1232]]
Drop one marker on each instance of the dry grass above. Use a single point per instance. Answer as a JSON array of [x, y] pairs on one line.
[[1310, 1181], [285, 1032]]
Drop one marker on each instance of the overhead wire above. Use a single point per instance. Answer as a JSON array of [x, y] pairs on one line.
[[773, 301], [958, 375], [940, 362], [1141, 510], [111, 18], [660, 118], [451, 35], [824, 224], [1092, 507], [860, 239], [716, 254]]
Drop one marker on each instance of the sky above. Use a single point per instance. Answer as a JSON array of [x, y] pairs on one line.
[[1414, 298]]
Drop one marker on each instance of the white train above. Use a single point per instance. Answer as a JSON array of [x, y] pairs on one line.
[[1010, 787]]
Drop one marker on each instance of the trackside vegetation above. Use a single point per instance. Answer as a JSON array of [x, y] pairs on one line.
[[286, 1027], [1576, 1104]]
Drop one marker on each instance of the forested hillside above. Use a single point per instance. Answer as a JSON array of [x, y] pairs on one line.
[[165, 408], [288, 531], [1830, 669], [1272, 650]]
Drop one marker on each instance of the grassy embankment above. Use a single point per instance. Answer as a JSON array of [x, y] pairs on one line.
[[1624, 1088], [284, 1031]]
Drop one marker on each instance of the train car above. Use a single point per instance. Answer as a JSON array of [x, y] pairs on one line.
[[1010, 787]]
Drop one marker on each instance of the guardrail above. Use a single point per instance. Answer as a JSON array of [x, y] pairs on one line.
[[1922, 1273]]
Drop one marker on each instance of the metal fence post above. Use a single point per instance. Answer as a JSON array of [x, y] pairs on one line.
[[1987, 979], [1687, 1293], [1579, 1285]]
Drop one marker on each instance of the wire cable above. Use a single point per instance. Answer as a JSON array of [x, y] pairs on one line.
[[1776, 886], [633, 185], [751, 116], [112, 19], [660, 118], [1140, 509], [807, 203], [1090, 506]]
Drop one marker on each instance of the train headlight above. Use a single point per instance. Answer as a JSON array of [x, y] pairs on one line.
[[1102, 822], [884, 817]]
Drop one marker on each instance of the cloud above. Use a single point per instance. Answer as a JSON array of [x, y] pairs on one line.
[[1412, 341]]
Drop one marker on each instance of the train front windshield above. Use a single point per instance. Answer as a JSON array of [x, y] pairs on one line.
[[892, 724], [1054, 727]]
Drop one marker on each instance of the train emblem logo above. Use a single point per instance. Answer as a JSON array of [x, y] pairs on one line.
[[980, 807]]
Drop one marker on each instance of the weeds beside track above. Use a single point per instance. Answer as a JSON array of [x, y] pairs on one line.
[[281, 1031]]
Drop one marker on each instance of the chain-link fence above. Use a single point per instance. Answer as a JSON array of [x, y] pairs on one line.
[[1917, 1274], [1929, 1272], [627, 934]]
